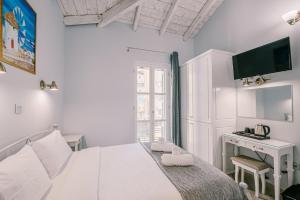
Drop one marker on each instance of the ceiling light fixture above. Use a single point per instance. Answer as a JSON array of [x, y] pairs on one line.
[[2, 68], [291, 17], [52, 86]]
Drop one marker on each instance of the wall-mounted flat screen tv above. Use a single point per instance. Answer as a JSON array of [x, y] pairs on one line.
[[267, 59]]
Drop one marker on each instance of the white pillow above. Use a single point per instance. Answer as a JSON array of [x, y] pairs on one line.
[[53, 151], [23, 177]]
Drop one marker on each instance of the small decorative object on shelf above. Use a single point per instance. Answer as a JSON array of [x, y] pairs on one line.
[[74, 141]]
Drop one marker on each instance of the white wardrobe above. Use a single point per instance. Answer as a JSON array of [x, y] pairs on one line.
[[208, 103]]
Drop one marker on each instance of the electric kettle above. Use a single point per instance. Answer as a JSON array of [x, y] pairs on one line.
[[262, 130]]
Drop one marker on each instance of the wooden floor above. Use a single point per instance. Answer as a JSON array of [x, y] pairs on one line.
[[249, 179]]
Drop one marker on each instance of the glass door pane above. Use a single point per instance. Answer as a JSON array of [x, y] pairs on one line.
[[160, 107], [159, 130], [143, 80], [143, 107], [160, 81], [151, 103], [144, 131]]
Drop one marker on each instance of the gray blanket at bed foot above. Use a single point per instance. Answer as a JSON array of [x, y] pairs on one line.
[[199, 182]]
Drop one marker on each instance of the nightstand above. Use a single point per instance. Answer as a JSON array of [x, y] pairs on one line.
[[73, 141]]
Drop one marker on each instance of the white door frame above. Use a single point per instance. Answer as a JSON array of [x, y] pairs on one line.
[[153, 65]]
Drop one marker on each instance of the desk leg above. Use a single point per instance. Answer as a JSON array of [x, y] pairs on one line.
[[224, 155], [290, 167], [236, 150], [277, 176], [76, 147]]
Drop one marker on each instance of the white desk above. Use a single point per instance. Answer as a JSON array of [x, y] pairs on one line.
[[274, 148]]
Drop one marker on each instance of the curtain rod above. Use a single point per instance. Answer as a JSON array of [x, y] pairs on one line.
[[148, 50]]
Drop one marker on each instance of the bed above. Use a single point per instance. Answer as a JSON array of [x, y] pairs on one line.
[[120, 172], [132, 172]]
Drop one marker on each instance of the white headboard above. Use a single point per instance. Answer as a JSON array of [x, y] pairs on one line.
[[16, 146]]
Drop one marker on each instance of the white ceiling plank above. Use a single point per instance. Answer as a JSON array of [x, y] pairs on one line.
[[91, 6], [80, 20], [69, 7], [61, 6], [169, 17], [118, 10], [207, 7], [81, 7], [101, 6], [183, 18], [137, 17]]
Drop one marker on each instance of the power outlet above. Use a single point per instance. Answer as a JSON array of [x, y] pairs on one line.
[[18, 109]]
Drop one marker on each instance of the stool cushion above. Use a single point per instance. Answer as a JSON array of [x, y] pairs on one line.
[[250, 162]]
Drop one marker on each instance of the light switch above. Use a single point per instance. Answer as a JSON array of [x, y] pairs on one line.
[[18, 109]]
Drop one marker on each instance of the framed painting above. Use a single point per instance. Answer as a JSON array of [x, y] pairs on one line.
[[18, 34]]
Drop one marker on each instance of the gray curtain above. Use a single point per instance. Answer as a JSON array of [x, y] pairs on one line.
[[175, 98]]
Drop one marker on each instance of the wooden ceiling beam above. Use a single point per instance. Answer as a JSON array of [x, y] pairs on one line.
[[118, 10], [169, 17], [80, 20], [104, 19], [137, 17], [209, 4]]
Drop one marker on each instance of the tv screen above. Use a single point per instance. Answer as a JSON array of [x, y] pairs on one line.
[[267, 59]]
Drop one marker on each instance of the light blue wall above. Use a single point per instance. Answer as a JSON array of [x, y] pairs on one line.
[[240, 25]]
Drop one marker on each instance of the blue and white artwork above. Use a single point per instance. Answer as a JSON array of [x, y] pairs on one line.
[[18, 34]]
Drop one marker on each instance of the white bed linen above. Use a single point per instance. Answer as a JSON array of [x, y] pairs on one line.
[[125, 172], [79, 179], [129, 173]]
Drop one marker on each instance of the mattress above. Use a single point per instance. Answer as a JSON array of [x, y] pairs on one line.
[[79, 179], [112, 173]]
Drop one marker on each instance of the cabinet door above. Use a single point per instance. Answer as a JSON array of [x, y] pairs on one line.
[[201, 141], [190, 91], [184, 127], [190, 136], [203, 89], [184, 91]]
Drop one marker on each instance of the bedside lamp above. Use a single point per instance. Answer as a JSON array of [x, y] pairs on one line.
[[52, 86], [2, 68]]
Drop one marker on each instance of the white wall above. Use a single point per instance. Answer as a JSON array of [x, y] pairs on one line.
[[99, 78], [240, 25], [40, 109]]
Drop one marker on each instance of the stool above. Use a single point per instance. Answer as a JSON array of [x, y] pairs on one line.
[[258, 168]]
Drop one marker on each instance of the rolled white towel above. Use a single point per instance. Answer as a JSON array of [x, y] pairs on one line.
[[177, 160], [166, 147], [176, 150]]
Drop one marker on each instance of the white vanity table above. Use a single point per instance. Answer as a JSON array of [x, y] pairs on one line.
[[274, 148]]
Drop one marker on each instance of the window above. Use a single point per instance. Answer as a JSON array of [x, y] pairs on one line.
[[151, 103]]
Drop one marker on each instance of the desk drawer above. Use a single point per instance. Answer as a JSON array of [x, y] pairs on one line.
[[256, 147], [248, 144], [234, 141]]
